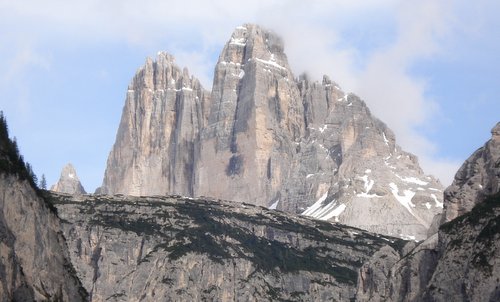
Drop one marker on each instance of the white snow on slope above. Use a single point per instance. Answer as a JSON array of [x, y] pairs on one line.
[[438, 203], [367, 186], [405, 200], [315, 206], [270, 63], [413, 180], [385, 139], [335, 213], [274, 205]]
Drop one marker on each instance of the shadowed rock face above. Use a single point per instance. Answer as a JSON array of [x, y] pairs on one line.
[[68, 182], [34, 261], [265, 137], [174, 248], [460, 262]]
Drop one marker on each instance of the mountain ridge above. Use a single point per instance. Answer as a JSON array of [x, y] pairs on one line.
[[263, 136]]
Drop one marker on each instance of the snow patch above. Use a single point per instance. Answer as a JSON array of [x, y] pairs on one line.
[[436, 200], [310, 210], [322, 129], [408, 237], [368, 186], [309, 175], [368, 171], [274, 205], [413, 180], [242, 74], [238, 41], [270, 62], [335, 213], [385, 139], [405, 200], [71, 175], [428, 205]]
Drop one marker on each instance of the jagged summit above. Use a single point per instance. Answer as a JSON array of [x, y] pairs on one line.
[[68, 182], [265, 137], [477, 178]]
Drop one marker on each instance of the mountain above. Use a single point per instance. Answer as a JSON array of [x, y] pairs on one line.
[[477, 178], [460, 262], [68, 182], [34, 260], [172, 248], [265, 137]]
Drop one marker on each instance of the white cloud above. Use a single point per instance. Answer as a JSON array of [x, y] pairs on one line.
[[314, 33]]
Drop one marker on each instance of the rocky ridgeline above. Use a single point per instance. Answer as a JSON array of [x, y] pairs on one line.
[[68, 182], [460, 262], [265, 137], [172, 248]]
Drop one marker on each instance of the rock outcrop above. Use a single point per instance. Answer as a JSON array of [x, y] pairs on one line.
[[460, 262], [265, 137], [477, 178], [156, 146], [34, 260], [68, 182], [173, 248]]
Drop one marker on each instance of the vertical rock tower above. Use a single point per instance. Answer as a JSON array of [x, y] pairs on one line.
[[256, 119], [266, 137], [156, 146]]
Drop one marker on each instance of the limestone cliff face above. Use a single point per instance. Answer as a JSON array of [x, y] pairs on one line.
[[478, 177], [34, 261], [68, 182], [460, 262], [255, 121], [183, 249], [265, 137], [156, 145]]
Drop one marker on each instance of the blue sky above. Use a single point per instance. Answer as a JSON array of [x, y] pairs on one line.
[[430, 69]]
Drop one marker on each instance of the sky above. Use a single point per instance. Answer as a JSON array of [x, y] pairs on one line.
[[430, 69]]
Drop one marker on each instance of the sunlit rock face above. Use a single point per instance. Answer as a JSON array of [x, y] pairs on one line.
[[460, 261], [68, 182], [267, 137]]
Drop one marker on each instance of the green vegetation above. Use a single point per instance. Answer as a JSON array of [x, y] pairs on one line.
[[11, 161], [484, 218], [482, 211]]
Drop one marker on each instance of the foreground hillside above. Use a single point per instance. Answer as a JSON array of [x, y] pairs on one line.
[[183, 249]]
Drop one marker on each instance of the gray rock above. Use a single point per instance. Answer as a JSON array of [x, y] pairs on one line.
[[156, 144], [477, 178], [460, 261], [183, 249], [265, 137], [34, 261], [68, 182]]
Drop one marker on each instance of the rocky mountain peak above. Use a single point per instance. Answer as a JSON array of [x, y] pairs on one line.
[[68, 182], [495, 133], [154, 151], [477, 178], [263, 136]]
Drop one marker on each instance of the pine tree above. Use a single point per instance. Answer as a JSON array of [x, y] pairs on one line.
[[43, 183]]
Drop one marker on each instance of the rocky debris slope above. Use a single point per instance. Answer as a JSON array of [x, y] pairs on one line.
[[461, 261], [34, 260], [184, 249], [68, 182], [265, 137]]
